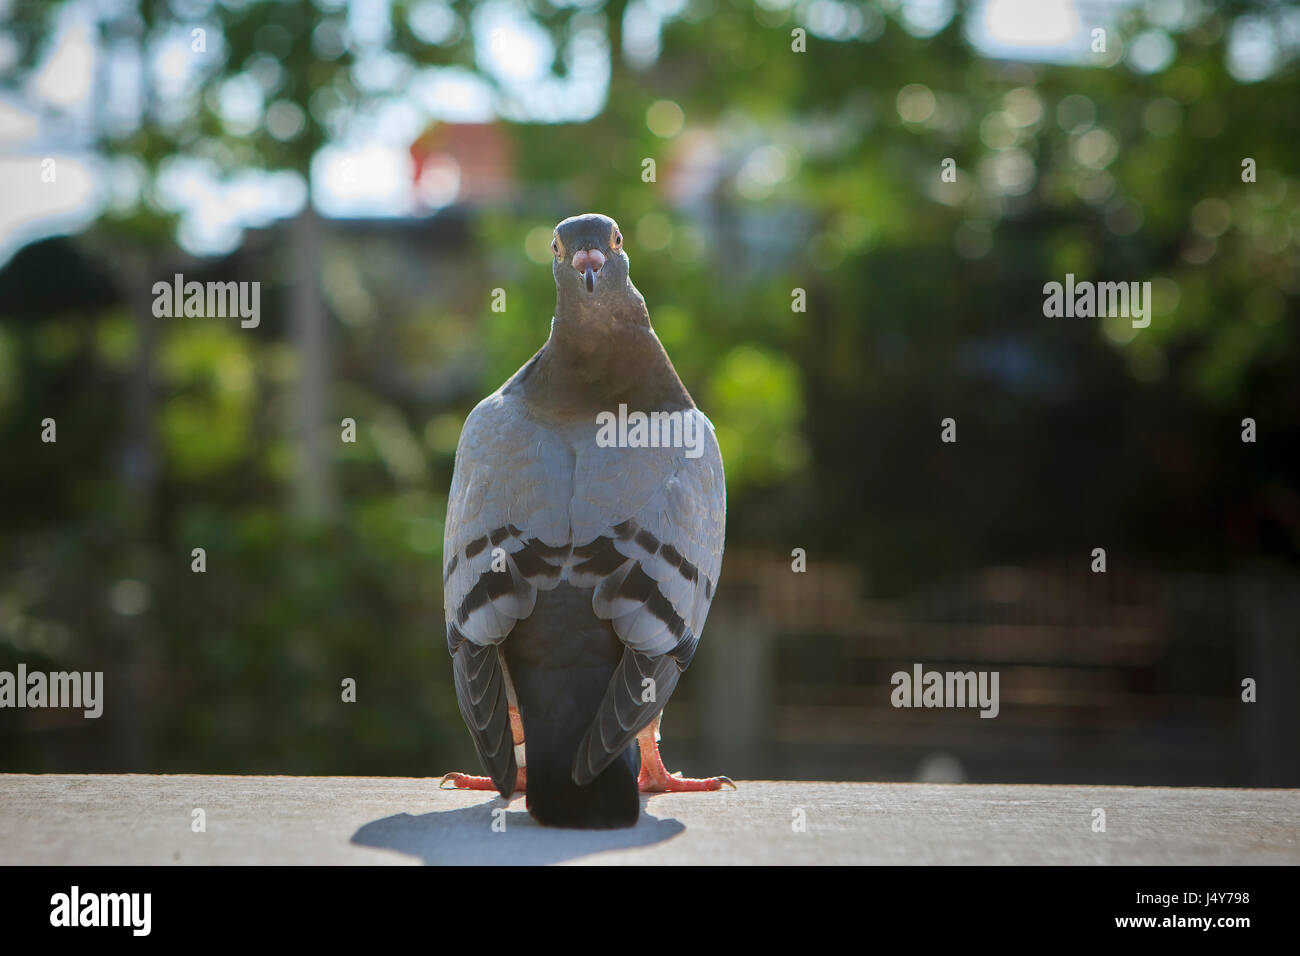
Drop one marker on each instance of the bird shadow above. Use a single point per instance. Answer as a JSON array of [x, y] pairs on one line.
[[467, 836]]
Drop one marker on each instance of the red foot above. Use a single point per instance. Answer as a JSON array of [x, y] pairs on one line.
[[665, 782], [655, 778], [467, 781]]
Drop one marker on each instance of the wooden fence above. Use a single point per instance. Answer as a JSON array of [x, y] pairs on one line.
[[1116, 677]]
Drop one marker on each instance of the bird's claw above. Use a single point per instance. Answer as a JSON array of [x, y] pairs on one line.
[[665, 782]]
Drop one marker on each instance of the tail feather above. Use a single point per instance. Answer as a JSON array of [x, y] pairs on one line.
[[609, 801], [561, 659]]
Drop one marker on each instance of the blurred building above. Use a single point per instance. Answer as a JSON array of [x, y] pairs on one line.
[[466, 163]]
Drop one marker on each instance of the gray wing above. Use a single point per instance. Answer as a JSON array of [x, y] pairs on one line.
[[654, 522], [507, 534]]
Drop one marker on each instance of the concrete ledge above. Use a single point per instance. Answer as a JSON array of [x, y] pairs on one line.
[[129, 819]]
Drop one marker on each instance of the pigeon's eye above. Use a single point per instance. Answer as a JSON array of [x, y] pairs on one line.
[[617, 241], [555, 246]]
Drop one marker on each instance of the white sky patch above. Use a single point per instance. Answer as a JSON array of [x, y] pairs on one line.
[[1032, 22], [1040, 30], [1029, 29], [364, 181], [394, 121], [834, 20], [173, 61], [454, 95], [432, 21], [1151, 51], [576, 98], [123, 90], [1253, 50], [31, 209], [380, 72], [510, 44], [17, 125], [924, 18], [65, 78], [642, 33], [519, 52], [215, 212], [240, 103], [368, 22]]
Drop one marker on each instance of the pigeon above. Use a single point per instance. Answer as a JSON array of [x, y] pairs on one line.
[[583, 543]]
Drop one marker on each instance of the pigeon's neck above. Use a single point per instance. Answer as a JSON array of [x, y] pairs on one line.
[[594, 363]]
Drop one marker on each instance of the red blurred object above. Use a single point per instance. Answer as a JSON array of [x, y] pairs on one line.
[[463, 163]]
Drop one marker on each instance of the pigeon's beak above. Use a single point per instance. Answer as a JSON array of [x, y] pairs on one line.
[[587, 262]]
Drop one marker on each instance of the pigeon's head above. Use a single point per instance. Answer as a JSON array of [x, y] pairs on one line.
[[590, 263]]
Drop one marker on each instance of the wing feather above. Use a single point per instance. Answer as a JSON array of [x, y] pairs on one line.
[[659, 598]]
